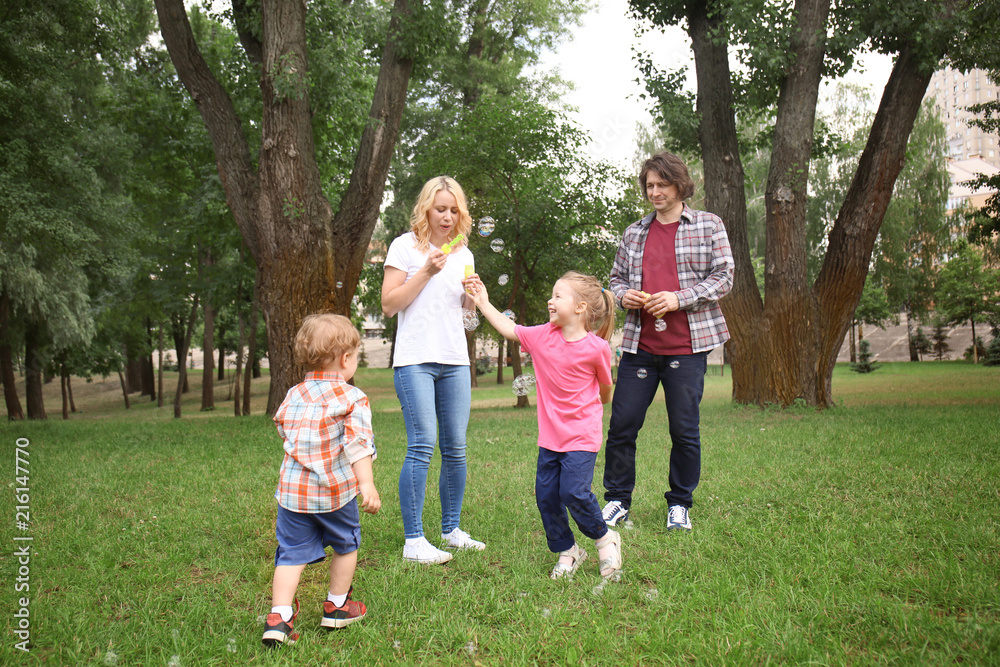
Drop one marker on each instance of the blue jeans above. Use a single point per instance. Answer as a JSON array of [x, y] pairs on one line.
[[562, 482], [433, 395], [639, 376]]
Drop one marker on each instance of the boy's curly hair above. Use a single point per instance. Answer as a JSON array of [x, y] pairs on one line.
[[323, 338]]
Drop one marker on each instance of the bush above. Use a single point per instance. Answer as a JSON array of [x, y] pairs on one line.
[[484, 364], [865, 363], [992, 356], [980, 350]]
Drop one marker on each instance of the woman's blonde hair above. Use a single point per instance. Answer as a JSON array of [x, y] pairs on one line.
[[419, 223], [323, 338], [600, 317]]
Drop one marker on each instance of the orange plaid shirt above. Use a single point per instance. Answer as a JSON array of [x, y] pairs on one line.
[[326, 425]]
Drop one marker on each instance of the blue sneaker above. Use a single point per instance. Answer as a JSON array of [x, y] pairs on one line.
[[614, 513], [678, 519]]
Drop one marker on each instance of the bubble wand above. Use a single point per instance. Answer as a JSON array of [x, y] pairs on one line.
[[450, 245], [660, 325]]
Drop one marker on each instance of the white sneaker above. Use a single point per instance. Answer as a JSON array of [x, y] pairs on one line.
[[614, 513], [678, 519], [423, 552], [459, 539]]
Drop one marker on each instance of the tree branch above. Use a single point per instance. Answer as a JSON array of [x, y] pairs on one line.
[[232, 152]]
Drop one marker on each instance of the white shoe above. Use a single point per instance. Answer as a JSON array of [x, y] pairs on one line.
[[614, 513], [423, 552], [459, 539]]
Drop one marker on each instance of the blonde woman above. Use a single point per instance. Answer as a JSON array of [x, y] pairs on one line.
[[425, 286]]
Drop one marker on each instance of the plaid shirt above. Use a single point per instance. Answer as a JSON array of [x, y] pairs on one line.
[[704, 270], [327, 426]]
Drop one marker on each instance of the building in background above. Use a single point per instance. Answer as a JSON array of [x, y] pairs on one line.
[[953, 92]]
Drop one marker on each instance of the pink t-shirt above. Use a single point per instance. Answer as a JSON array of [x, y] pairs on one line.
[[568, 376]]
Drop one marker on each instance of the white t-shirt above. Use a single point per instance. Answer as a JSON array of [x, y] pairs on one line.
[[430, 329]]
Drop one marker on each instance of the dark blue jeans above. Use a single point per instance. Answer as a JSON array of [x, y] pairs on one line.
[[562, 482], [639, 376]]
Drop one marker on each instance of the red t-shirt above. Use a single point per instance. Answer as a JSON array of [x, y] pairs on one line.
[[659, 273]]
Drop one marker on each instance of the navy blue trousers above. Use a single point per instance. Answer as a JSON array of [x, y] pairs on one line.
[[639, 376], [562, 482]]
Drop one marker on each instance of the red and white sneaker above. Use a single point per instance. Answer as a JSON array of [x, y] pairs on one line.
[[278, 632], [335, 617]]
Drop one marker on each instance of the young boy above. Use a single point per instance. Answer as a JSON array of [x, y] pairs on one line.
[[329, 448]]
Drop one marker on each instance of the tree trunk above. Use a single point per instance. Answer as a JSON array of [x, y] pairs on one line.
[[852, 238], [124, 384], [470, 342], [159, 372], [148, 376], [500, 360], [302, 252], [208, 349], [852, 345], [64, 388], [11, 400], [785, 346], [975, 348], [911, 346], [133, 372], [33, 374], [182, 354], [515, 359], [251, 353]]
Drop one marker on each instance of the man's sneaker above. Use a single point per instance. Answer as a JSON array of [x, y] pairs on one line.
[[425, 553], [278, 632], [614, 513], [678, 519], [459, 539], [341, 617]]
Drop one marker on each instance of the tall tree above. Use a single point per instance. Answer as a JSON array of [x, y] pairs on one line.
[[785, 344], [309, 259], [968, 291]]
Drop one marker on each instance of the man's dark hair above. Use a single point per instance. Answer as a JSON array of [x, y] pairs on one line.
[[670, 168]]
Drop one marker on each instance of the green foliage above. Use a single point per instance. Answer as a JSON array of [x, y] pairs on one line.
[[940, 339], [921, 343], [992, 356], [967, 289], [864, 363]]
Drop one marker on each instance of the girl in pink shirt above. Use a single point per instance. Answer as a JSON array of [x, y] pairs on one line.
[[573, 375]]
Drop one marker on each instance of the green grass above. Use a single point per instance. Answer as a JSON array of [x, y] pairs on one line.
[[864, 534]]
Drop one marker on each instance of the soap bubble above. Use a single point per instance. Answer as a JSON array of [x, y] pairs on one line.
[[470, 648], [469, 319], [546, 613], [486, 225], [522, 384], [396, 644], [175, 661], [675, 364], [231, 645], [509, 314], [652, 594], [502, 280], [340, 285], [110, 658], [660, 325], [497, 245], [641, 373]]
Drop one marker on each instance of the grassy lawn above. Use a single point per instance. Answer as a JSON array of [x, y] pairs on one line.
[[865, 534]]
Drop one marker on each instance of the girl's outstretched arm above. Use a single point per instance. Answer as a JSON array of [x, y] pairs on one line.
[[503, 324]]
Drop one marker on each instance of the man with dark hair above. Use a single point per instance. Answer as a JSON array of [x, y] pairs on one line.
[[671, 269]]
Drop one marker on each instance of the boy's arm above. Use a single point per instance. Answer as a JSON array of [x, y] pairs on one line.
[[606, 393], [503, 324], [370, 501]]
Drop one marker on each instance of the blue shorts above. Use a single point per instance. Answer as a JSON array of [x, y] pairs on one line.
[[303, 538]]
